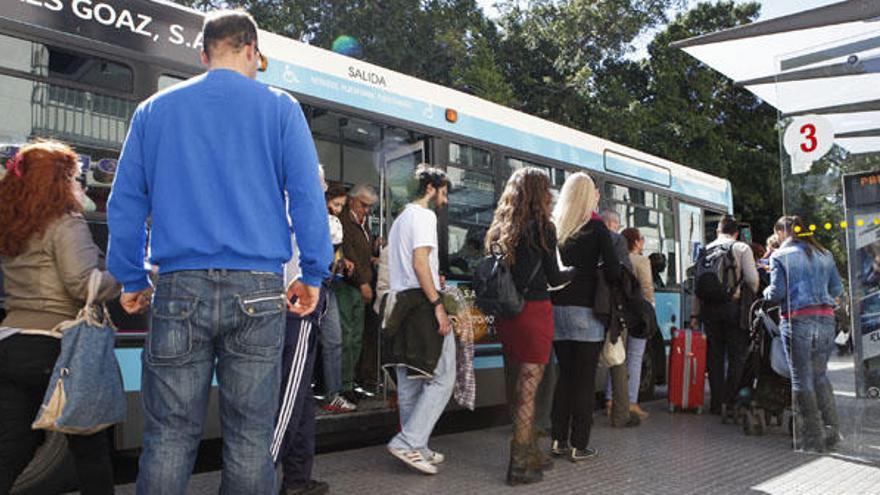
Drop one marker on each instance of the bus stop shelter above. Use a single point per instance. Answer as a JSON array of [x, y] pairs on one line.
[[821, 70]]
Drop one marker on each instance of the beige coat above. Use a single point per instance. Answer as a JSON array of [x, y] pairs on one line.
[[47, 283], [642, 268]]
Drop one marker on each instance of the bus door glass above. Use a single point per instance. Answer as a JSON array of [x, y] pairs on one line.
[[690, 224], [398, 165]]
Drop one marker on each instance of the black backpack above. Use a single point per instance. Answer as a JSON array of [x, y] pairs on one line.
[[495, 288], [715, 280]]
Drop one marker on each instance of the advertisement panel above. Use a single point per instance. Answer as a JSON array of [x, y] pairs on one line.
[[862, 204]]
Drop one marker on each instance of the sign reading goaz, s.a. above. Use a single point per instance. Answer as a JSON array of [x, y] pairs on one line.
[[151, 28]]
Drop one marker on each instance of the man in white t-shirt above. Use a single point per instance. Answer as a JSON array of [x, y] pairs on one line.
[[423, 355]]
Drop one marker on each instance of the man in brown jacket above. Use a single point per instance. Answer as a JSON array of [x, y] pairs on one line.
[[353, 296]]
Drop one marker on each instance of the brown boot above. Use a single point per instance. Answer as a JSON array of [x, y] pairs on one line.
[[520, 470], [539, 458]]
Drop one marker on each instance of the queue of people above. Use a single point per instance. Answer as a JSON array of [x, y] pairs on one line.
[[268, 261]]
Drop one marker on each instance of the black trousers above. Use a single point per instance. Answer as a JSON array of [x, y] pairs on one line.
[[575, 396], [294, 440], [728, 343], [26, 364]]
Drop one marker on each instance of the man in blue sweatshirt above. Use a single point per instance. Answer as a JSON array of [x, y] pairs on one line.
[[210, 162]]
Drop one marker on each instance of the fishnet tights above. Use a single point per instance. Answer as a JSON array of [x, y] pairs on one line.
[[524, 408]]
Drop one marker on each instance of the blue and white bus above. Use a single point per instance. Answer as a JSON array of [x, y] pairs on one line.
[[75, 70]]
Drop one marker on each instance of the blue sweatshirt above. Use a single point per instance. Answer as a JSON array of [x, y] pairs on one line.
[[210, 161]]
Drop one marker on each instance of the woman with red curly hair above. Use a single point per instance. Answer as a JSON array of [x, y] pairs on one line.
[[47, 256]]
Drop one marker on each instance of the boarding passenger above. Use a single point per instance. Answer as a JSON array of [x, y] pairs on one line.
[[212, 177], [421, 350], [584, 242], [293, 442], [728, 340], [47, 256], [356, 294], [635, 346], [617, 403], [804, 280], [522, 229], [331, 328]]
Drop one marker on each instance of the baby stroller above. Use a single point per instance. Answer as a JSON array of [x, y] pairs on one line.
[[765, 388]]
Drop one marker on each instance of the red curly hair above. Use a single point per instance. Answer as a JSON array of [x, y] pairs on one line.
[[35, 192]]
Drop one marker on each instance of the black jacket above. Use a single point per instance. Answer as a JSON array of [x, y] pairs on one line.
[[411, 334], [528, 255], [623, 307], [583, 251]]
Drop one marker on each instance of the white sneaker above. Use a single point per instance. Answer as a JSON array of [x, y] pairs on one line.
[[340, 404], [413, 459]]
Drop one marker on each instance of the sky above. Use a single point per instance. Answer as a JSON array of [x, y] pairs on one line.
[[769, 10]]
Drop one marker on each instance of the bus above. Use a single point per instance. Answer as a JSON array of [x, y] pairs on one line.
[[75, 70]]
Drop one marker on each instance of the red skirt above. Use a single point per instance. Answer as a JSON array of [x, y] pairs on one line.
[[528, 337]]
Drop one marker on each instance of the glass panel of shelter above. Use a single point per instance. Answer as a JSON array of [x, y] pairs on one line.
[[830, 167]]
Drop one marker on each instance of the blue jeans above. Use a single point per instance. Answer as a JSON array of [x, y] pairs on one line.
[[331, 345], [808, 342], [635, 350], [231, 322], [421, 400]]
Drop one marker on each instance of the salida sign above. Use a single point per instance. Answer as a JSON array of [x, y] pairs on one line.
[[140, 25]]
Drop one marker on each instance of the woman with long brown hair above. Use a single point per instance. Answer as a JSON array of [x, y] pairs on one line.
[[523, 231], [48, 255]]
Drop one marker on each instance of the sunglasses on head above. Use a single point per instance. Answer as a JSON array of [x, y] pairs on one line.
[[264, 62]]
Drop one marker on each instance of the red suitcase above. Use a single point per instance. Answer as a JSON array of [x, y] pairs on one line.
[[687, 370]]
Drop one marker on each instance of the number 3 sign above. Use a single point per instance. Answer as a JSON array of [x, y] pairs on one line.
[[806, 140]]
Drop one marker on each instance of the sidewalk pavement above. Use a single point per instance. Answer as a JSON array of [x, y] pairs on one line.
[[672, 454]]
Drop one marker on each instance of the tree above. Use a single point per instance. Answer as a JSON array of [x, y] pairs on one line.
[[553, 50], [673, 106]]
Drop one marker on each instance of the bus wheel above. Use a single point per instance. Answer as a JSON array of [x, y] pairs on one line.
[[50, 471]]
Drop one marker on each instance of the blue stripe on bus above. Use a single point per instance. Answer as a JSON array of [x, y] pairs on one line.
[[130, 365], [373, 99], [488, 362], [129, 359]]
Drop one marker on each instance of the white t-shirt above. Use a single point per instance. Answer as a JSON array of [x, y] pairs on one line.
[[292, 270], [415, 227]]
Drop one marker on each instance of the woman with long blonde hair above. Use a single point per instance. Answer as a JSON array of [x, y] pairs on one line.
[[584, 242], [523, 231]]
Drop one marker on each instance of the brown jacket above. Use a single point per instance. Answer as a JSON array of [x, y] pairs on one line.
[[357, 245], [47, 283]]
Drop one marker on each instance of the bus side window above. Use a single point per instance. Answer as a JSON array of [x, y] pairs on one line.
[[471, 206]]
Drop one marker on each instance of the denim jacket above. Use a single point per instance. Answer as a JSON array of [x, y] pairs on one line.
[[798, 281]]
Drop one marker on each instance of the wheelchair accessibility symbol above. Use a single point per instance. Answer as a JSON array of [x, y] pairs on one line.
[[289, 76]]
